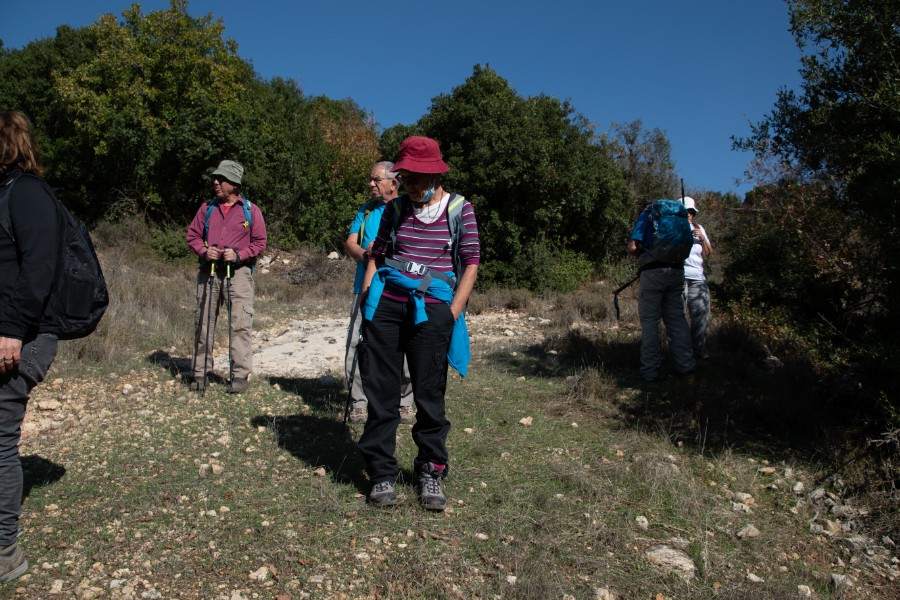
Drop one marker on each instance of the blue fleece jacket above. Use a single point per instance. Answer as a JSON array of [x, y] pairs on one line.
[[458, 354]]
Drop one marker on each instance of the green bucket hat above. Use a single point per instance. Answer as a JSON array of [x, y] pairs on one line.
[[230, 170]]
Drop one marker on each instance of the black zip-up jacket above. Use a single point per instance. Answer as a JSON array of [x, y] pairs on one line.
[[28, 265]]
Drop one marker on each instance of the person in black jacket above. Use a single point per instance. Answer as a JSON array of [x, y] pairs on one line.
[[28, 343]]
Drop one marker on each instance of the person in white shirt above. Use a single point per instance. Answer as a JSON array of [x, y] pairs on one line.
[[696, 290]]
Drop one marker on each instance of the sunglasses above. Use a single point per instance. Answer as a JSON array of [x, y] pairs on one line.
[[414, 179]]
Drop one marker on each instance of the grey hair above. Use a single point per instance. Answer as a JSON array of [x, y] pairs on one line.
[[388, 165]]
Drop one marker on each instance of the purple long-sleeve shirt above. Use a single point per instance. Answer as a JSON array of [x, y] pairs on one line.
[[229, 231]]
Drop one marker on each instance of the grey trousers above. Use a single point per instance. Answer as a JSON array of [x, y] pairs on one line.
[[15, 389], [661, 298], [696, 294], [351, 363]]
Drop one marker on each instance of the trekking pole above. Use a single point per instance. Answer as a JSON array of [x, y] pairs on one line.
[[354, 314], [228, 293], [349, 403], [212, 276], [682, 191], [622, 288], [201, 300]]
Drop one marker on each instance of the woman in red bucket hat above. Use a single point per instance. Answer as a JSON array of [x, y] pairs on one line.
[[420, 274]]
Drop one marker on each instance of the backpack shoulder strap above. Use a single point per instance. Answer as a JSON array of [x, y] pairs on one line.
[[366, 208], [454, 221], [397, 206], [210, 207], [454, 215], [248, 214]]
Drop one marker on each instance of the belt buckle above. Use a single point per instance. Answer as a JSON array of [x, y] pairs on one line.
[[416, 268]]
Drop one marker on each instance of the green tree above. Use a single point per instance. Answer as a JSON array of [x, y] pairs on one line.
[[544, 193], [828, 209], [155, 107], [645, 158]]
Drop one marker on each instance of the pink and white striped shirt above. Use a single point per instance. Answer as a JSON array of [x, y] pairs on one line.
[[425, 243]]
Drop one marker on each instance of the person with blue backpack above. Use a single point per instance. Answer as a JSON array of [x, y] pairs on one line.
[[228, 234], [661, 240], [418, 280]]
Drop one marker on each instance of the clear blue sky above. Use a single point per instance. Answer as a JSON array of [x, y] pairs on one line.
[[700, 70]]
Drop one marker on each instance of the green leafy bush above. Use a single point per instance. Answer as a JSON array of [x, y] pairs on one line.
[[169, 244]]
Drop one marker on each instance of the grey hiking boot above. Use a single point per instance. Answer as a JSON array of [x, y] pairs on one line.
[[383, 494], [430, 494], [198, 385], [237, 386], [407, 416], [12, 562], [358, 415]]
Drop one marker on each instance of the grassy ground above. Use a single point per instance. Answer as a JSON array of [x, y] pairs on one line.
[[137, 488]]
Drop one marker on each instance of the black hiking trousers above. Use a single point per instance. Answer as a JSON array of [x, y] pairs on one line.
[[389, 336]]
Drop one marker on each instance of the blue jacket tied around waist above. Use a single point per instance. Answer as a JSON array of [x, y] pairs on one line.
[[458, 354]]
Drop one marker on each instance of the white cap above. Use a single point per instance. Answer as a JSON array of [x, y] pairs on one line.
[[690, 204]]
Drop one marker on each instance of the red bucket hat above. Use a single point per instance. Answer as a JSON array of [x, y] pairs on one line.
[[420, 154]]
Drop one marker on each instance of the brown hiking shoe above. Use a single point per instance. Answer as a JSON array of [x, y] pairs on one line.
[[237, 386], [12, 562], [358, 415], [407, 416]]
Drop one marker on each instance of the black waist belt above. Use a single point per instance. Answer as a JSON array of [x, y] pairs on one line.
[[661, 265]]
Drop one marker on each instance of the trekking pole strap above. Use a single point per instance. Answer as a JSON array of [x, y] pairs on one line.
[[622, 288]]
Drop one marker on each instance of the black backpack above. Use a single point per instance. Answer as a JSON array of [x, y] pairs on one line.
[[79, 296]]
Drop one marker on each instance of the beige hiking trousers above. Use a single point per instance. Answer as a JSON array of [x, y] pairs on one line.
[[212, 300]]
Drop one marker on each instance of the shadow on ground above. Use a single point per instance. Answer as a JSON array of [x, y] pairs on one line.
[[737, 398], [317, 440], [37, 471]]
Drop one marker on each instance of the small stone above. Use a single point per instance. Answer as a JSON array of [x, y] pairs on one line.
[[673, 560], [642, 522], [261, 574], [204, 470], [755, 578], [840, 582], [748, 531], [804, 591], [320, 472], [481, 536], [798, 487], [526, 421], [469, 430], [511, 579], [49, 405], [217, 469], [603, 594]]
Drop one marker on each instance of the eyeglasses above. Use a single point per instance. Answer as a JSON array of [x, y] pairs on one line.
[[377, 179]]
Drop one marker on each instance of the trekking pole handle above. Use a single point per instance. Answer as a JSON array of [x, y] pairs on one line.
[[212, 264]]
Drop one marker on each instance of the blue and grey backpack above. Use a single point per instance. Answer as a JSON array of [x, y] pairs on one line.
[[672, 235]]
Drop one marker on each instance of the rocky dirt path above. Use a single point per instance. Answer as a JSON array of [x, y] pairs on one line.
[[315, 347]]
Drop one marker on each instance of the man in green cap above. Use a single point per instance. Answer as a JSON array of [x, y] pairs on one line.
[[228, 233]]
